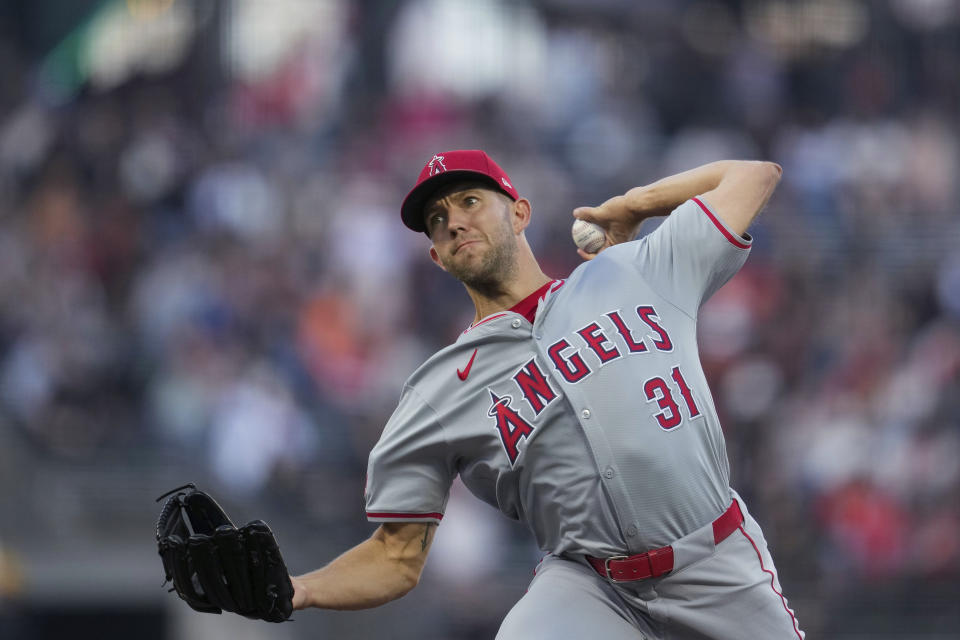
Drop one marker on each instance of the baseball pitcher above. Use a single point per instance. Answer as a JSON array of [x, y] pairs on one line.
[[579, 407]]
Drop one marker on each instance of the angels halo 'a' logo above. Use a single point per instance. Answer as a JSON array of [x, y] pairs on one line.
[[504, 181], [436, 165], [510, 424], [498, 402]]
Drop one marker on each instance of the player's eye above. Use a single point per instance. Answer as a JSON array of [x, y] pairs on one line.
[[435, 220], [471, 200]]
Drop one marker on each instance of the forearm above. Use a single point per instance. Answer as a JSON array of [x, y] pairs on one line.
[[666, 194], [366, 576], [736, 190]]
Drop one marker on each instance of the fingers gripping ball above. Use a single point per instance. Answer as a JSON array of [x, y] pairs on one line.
[[215, 566], [588, 236]]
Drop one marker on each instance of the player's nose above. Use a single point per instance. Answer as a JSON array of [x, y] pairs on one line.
[[457, 221]]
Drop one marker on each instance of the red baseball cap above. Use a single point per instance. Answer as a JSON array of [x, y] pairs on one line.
[[447, 167]]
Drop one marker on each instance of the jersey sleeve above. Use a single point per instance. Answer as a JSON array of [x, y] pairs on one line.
[[410, 470], [691, 255]]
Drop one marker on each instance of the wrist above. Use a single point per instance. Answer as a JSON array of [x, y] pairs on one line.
[[640, 204], [301, 594]]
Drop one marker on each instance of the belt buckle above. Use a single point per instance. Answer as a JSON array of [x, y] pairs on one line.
[[606, 566]]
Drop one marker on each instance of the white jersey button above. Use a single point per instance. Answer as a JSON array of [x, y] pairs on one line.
[[631, 531], [516, 323], [608, 473], [585, 414]]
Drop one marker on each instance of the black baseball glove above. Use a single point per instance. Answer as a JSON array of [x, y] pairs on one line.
[[214, 566]]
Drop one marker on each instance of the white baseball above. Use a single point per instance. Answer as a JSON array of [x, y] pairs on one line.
[[588, 236]]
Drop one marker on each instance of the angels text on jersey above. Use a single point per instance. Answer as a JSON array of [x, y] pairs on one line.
[[602, 341]]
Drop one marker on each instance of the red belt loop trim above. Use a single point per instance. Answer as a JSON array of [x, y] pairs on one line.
[[727, 523], [658, 562]]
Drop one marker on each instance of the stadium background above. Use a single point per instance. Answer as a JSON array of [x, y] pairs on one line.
[[203, 277]]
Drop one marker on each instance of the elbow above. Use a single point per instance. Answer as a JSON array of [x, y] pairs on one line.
[[412, 580], [754, 175], [407, 571], [763, 171], [765, 175], [407, 579], [776, 169], [771, 172], [411, 571]]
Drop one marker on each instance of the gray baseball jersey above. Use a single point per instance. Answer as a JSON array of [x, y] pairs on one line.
[[593, 424]]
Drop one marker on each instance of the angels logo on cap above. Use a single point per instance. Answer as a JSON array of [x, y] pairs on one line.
[[436, 165], [448, 167]]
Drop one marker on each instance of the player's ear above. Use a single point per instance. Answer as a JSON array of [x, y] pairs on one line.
[[521, 214], [436, 258]]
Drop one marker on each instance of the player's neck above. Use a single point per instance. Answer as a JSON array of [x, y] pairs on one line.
[[528, 279]]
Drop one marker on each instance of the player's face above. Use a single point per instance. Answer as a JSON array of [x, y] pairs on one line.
[[474, 237]]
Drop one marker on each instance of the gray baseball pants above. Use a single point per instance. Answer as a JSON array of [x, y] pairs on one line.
[[719, 591]]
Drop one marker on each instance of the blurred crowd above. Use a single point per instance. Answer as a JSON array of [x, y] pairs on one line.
[[210, 264]]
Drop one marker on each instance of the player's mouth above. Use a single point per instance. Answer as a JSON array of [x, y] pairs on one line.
[[464, 244]]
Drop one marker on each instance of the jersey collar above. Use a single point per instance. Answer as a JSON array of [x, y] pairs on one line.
[[527, 307]]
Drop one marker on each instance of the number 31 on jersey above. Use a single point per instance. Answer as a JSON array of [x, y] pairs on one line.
[[660, 391]]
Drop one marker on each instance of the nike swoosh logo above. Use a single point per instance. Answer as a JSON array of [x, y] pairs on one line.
[[463, 374]]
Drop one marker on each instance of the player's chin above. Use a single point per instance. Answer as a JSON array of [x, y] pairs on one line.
[[468, 269]]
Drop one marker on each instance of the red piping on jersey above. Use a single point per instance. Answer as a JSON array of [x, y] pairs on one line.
[[487, 319], [526, 307], [734, 240], [793, 618], [406, 516]]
